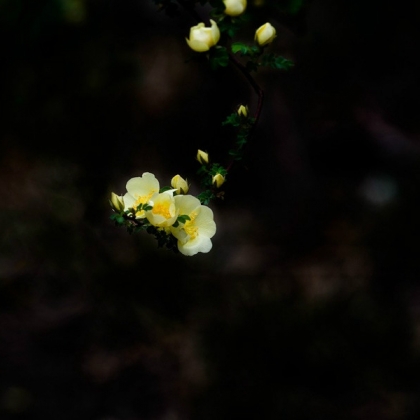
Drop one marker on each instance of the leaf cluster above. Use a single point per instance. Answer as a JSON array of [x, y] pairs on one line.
[[276, 62], [219, 57], [229, 25], [246, 50], [128, 220], [206, 173], [243, 126], [257, 58], [164, 239]]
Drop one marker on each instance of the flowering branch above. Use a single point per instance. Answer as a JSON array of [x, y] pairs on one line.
[[181, 222]]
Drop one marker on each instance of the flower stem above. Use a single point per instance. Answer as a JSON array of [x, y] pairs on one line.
[[258, 91]]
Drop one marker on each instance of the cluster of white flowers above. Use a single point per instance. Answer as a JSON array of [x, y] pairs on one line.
[[172, 211]]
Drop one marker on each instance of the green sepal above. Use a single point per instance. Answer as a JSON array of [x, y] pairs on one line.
[[163, 189], [183, 218]]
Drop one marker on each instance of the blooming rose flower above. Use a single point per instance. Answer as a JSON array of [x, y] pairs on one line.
[[265, 34], [202, 38], [139, 191], [163, 213], [234, 7], [194, 235], [179, 184]]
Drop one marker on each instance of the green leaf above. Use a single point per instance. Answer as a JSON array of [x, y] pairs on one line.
[[219, 57], [233, 119], [240, 47]]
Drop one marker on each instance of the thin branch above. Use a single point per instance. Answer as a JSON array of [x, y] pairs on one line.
[[258, 91], [190, 8]]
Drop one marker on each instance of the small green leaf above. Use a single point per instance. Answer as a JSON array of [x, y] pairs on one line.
[[219, 57], [233, 119], [183, 218]]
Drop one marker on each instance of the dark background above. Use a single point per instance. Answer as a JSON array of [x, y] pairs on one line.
[[308, 305]]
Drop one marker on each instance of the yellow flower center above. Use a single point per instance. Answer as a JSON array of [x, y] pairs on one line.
[[141, 200], [189, 226], [162, 209]]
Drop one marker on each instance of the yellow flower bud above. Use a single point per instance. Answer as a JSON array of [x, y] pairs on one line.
[[117, 202], [202, 38], [202, 157], [218, 180], [234, 7], [265, 34], [243, 111], [180, 184]]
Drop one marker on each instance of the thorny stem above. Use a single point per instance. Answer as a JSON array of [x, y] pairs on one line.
[[241, 68], [258, 91]]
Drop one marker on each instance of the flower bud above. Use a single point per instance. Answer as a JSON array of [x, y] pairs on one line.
[[202, 157], [202, 38], [265, 34], [218, 180], [234, 7], [243, 111], [117, 202], [180, 184]]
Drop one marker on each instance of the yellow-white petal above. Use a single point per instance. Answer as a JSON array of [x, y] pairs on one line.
[[143, 185], [164, 212]]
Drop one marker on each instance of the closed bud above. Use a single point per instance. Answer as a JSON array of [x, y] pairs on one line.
[[117, 202], [234, 7], [265, 34], [243, 111], [202, 157], [179, 184], [202, 38], [218, 180]]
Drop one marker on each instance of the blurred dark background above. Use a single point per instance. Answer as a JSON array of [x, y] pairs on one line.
[[308, 305]]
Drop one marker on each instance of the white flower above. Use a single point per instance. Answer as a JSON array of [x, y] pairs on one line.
[[194, 235], [202, 38], [163, 213], [234, 7], [265, 34], [139, 191]]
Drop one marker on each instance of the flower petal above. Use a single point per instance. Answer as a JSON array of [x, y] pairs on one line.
[[205, 223], [198, 46], [199, 244], [143, 185]]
